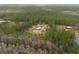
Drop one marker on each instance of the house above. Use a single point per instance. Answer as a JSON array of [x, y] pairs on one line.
[[65, 27], [68, 28], [39, 28]]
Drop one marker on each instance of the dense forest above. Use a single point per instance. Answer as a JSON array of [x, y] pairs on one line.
[[17, 35]]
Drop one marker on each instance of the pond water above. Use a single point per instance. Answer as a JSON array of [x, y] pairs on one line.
[[77, 40]]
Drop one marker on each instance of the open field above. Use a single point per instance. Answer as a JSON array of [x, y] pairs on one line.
[[39, 29]]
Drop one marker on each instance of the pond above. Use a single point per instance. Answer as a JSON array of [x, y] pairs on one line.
[[77, 40]]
